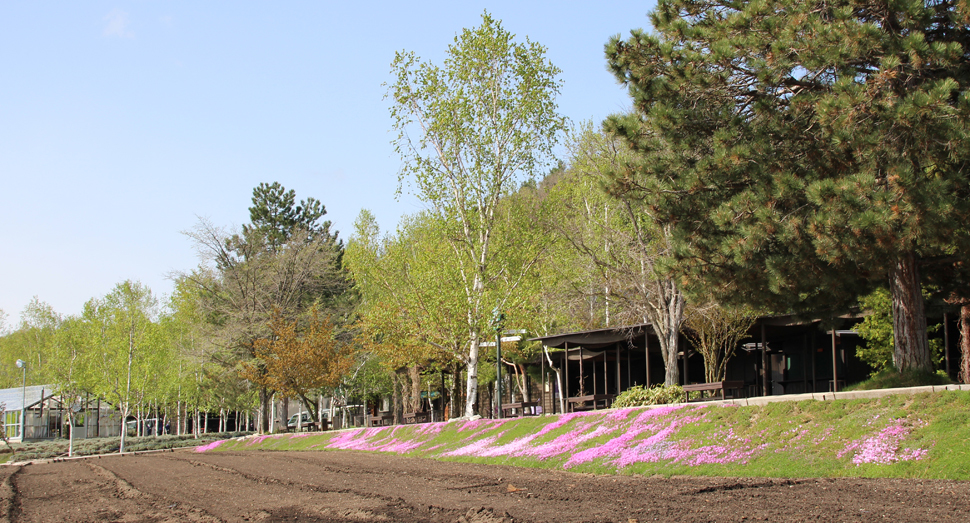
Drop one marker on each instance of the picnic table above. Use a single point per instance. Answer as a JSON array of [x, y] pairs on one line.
[[521, 406], [595, 400], [732, 385]]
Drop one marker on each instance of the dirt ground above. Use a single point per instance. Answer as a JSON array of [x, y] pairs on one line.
[[352, 486]]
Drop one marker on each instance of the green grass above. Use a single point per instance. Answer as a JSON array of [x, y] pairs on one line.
[[905, 436], [891, 379]]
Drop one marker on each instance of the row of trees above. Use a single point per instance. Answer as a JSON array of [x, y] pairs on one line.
[[552, 249], [121, 348], [783, 157], [264, 314]]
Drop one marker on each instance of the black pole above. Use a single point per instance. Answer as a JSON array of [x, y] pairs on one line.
[[565, 393], [946, 342], [498, 372], [764, 360], [835, 376]]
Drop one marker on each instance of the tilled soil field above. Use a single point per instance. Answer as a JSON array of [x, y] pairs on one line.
[[353, 487]]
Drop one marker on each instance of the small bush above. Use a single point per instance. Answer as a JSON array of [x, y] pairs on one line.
[[640, 395]]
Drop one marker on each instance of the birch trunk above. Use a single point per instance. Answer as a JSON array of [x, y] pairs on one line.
[[471, 391]]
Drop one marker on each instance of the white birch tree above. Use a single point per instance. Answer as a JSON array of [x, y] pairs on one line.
[[469, 133]]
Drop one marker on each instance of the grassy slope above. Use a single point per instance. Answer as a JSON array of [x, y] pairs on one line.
[[921, 436]]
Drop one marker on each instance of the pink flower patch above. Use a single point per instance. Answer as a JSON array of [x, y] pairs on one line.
[[885, 447], [210, 446]]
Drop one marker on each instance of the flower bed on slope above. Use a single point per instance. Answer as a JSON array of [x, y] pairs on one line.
[[895, 436]]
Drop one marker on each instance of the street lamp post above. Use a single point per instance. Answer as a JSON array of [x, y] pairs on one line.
[[497, 320], [23, 407]]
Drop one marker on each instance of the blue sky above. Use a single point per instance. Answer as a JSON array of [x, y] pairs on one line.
[[122, 123]]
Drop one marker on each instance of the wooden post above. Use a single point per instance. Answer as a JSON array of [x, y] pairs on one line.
[[764, 360], [582, 373], [835, 374], [542, 386], [565, 386], [686, 354], [812, 351], [617, 368], [629, 349], [593, 363], [646, 352], [805, 362]]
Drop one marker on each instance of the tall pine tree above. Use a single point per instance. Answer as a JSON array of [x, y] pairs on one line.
[[804, 151]]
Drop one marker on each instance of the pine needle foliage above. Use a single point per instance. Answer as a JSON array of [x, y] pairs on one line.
[[804, 151]]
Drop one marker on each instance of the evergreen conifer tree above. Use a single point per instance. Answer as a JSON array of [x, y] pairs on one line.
[[804, 151]]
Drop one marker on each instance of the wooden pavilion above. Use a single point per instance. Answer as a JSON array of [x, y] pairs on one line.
[[779, 355]]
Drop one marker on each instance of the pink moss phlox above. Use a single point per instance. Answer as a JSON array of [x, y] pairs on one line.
[[567, 442], [562, 421], [481, 425], [400, 447], [610, 448], [649, 450], [885, 447], [432, 428], [620, 414], [210, 446], [615, 447], [509, 449], [473, 449], [263, 437]]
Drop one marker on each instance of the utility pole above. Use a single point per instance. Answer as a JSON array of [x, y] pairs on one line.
[[23, 408]]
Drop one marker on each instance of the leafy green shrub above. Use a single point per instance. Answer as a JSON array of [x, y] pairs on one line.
[[877, 330], [640, 395]]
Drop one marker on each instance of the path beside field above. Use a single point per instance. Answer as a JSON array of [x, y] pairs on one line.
[[353, 486]]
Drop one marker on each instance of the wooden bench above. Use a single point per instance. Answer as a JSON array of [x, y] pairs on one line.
[[732, 385], [416, 417], [310, 426], [383, 418], [522, 406]]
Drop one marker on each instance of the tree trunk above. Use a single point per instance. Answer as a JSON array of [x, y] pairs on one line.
[[471, 391], [397, 406], [415, 373], [284, 414], [264, 414], [964, 374], [669, 347], [667, 316], [911, 349], [454, 397], [70, 432]]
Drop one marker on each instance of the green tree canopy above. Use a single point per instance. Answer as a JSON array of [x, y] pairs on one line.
[[470, 133], [276, 216], [803, 151]]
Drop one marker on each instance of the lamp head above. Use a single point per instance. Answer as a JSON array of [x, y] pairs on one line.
[[20, 364]]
